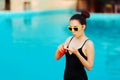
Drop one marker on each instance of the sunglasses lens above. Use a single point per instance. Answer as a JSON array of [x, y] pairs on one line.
[[76, 29], [70, 28]]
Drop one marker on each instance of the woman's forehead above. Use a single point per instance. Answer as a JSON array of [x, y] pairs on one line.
[[74, 22]]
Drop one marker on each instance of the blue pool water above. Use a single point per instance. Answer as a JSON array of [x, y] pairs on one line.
[[28, 41]]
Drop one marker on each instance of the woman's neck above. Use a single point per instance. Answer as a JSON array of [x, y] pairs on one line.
[[82, 37]]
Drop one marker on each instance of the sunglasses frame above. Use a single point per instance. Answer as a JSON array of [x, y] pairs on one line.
[[75, 28]]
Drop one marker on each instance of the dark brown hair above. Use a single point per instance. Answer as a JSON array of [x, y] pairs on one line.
[[81, 17]]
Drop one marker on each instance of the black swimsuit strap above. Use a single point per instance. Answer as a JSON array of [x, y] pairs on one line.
[[70, 41], [84, 42]]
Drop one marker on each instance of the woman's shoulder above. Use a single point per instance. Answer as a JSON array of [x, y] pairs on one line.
[[69, 38], [89, 43]]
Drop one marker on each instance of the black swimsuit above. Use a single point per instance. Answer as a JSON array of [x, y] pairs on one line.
[[74, 69]]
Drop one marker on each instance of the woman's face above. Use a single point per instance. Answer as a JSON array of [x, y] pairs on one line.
[[76, 28]]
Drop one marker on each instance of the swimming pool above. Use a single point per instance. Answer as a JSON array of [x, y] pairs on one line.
[[29, 40]]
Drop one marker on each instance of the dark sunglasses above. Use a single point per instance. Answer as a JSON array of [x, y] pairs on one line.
[[75, 28]]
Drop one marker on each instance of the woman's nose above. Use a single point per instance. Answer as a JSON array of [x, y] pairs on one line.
[[73, 31]]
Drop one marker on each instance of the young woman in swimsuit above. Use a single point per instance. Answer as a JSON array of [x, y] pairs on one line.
[[80, 49]]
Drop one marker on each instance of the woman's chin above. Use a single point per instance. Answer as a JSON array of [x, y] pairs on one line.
[[76, 36]]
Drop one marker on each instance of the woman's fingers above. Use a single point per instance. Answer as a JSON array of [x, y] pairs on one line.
[[72, 50], [61, 47]]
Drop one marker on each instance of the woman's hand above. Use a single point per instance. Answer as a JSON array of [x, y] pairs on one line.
[[61, 47], [72, 50]]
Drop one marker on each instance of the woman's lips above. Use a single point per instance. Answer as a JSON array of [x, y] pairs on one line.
[[74, 34]]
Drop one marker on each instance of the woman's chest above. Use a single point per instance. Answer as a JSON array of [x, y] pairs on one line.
[[75, 44]]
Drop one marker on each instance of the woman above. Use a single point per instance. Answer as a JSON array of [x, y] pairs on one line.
[[80, 49]]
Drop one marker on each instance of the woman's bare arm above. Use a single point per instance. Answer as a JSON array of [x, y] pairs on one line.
[[57, 56], [89, 54]]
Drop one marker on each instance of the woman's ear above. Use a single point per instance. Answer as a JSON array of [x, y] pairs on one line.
[[83, 26]]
